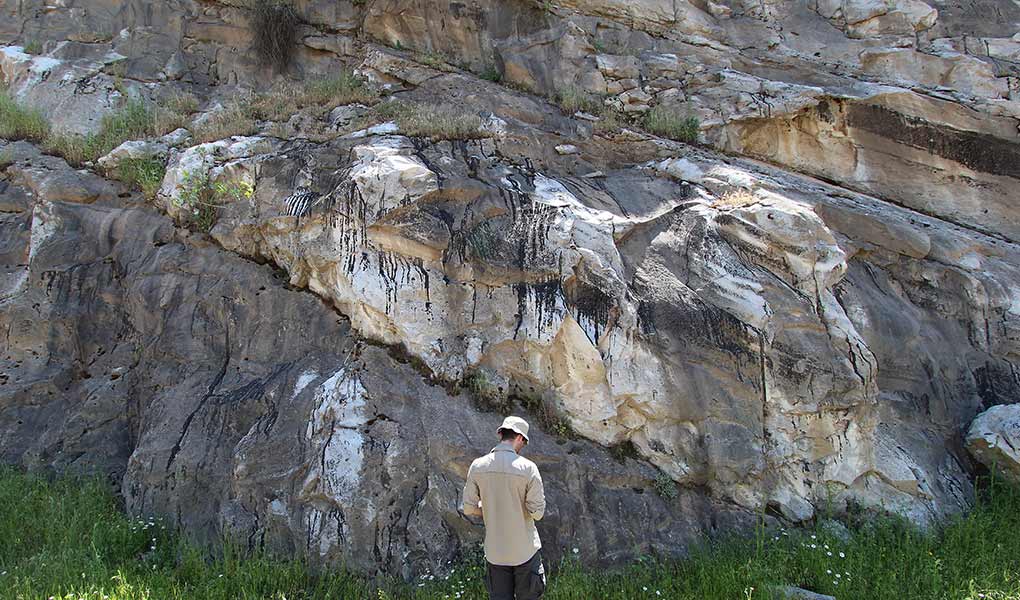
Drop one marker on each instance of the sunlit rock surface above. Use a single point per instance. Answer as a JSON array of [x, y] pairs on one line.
[[813, 318]]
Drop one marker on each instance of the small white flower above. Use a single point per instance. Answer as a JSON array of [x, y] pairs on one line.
[[828, 554], [841, 555], [576, 550], [828, 571], [812, 536], [644, 587], [838, 575], [657, 593], [814, 546]]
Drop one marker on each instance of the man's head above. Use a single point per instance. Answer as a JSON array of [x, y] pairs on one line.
[[515, 431]]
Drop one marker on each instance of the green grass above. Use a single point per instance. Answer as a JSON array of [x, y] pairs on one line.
[[67, 539], [135, 120], [33, 47], [673, 123], [21, 123], [146, 174]]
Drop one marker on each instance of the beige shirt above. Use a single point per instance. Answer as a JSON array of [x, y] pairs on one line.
[[506, 490]]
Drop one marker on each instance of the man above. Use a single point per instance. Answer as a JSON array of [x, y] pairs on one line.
[[506, 491]]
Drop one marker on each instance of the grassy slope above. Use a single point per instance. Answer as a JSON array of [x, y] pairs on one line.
[[67, 539]]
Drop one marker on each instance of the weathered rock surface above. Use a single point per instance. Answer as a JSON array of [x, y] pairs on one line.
[[994, 439], [764, 339], [229, 401]]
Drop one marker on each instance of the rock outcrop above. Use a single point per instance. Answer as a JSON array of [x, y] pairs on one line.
[[814, 322], [994, 439]]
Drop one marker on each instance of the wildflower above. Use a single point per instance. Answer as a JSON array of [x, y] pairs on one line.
[[838, 575], [812, 536], [828, 571], [813, 546], [657, 593], [644, 588], [828, 554], [841, 555], [576, 550]]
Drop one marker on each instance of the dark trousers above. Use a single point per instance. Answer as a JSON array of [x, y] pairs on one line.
[[523, 582]]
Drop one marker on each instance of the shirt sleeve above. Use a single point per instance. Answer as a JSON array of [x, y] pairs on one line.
[[471, 498], [534, 499]]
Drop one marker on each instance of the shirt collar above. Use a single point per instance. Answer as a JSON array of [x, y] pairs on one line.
[[504, 447]]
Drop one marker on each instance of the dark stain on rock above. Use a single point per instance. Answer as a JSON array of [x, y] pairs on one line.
[[980, 152]]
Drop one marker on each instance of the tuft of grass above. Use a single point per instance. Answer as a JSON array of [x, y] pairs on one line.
[[21, 123], [432, 122], [65, 538], [146, 174], [491, 73], [332, 91], [236, 118], [135, 120], [274, 28], [33, 47], [317, 96], [434, 60], [673, 123], [573, 99]]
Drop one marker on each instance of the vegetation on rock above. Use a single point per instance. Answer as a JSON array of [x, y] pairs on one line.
[[672, 122], [434, 122], [274, 28], [146, 174]]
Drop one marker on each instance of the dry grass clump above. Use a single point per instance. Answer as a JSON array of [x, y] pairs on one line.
[[572, 99], [274, 27], [434, 122], [235, 118], [317, 96], [735, 199]]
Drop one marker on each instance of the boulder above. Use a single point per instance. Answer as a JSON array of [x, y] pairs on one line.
[[994, 439]]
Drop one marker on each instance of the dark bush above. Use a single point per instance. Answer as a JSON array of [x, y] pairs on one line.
[[274, 27]]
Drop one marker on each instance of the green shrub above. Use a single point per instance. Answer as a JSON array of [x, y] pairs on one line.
[[673, 123], [21, 123], [274, 28], [665, 486]]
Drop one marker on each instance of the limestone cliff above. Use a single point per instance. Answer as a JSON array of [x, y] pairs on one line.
[[807, 307]]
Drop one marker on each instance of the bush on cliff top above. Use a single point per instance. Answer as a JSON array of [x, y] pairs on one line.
[[66, 539]]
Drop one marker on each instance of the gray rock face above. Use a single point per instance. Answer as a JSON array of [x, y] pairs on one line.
[[228, 401], [994, 439], [765, 340]]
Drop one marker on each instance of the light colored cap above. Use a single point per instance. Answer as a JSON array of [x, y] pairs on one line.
[[515, 424]]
